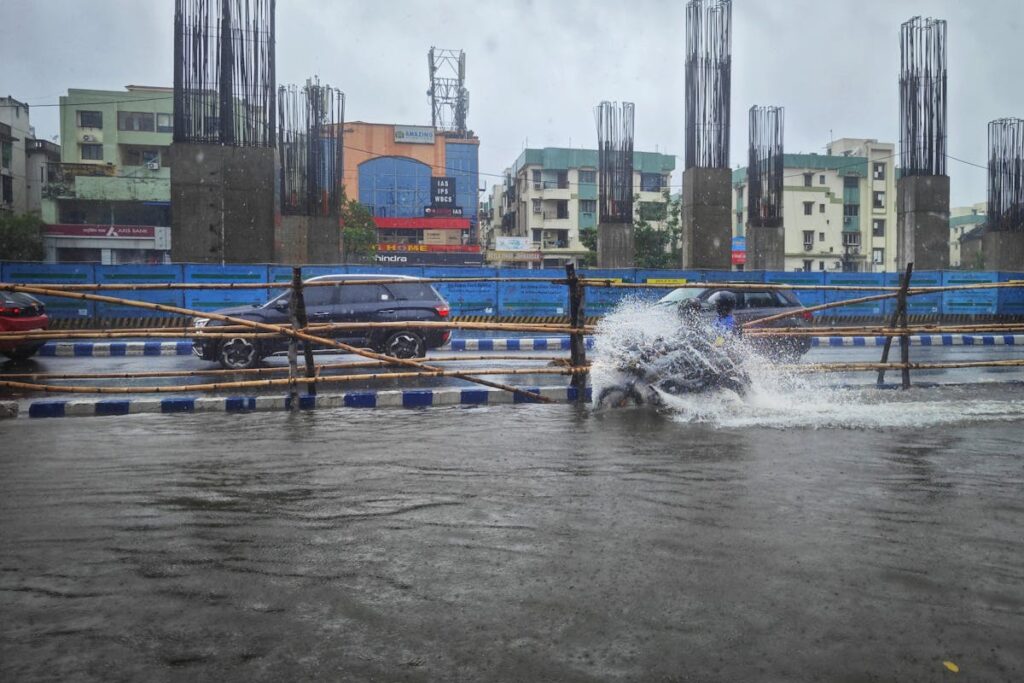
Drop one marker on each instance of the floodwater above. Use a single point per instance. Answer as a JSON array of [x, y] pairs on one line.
[[844, 535]]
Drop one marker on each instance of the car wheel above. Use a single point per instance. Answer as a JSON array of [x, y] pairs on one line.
[[405, 344], [22, 352], [238, 354]]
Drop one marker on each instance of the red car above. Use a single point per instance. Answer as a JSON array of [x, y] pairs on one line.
[[21, 313]]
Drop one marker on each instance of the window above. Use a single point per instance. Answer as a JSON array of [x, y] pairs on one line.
[[362, 294], [821, 265], [135, 156], [588, 176], [808, 179], [7, 190], [821, 237], [851, 239], [536, 235], [536, 179], [135, 120], [563, 180], [851, 209], [650, 182], [739, 219], [653, 211], [90, 119], [808, 208], [164, 124], [588, 206], [808, 265], [821, 179], [562, 208], [879, 200], [739, 194], [92, 152], [821, 208], [851, 182], [878, 227], [878, 171], [878, 256], [808, 240], [6, 154], [318, 296], [536, 205]]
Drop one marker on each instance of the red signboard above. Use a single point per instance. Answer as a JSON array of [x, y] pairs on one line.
[[110, 231], [422, 223], [461, 248]]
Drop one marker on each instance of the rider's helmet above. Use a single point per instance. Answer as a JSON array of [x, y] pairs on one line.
[[724, 302]]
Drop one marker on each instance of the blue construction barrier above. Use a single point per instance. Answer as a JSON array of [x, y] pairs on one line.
[[920, 304], [506, 299], [1011, 300], [213, 299], [870, 308], [55, 273], [138, 274], [969, 301]]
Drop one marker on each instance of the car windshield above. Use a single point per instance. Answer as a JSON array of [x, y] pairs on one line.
[[17, 299], [681, 294]]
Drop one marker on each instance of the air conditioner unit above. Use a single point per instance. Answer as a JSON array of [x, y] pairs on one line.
[[88, 138], [153, 165]]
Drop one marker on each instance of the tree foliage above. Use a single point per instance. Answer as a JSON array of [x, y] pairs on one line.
[[656, 247], [21, 237], [588, 238], [359, 232]]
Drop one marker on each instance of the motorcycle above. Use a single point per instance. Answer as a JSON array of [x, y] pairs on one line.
[[692, 361]]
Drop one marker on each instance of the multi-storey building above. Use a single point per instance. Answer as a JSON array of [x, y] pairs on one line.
[[839, 209], [420, 184], [23, 159], [550, 195], [965, 221], [109, 200]]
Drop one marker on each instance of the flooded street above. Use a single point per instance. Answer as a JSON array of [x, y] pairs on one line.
[[873, 538]]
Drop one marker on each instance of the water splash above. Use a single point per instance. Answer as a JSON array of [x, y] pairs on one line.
[[780, 398]]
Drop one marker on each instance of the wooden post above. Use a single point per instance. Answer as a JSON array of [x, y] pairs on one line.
[[293, 343], [577, 320], [905, 337], [303, 320], [901, 302]]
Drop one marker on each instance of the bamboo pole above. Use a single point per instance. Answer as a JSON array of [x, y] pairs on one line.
[[271, 328], [882, 331], [161, 286], [274, 370], [871, 367], [577, 317], [269, 383]]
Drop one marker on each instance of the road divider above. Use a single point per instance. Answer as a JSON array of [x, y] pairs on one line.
[[405, 398]]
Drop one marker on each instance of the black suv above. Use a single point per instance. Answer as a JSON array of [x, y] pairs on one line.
[[752, 304], [412, 299]]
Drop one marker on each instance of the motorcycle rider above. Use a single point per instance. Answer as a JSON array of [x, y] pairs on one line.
[[724, 303]]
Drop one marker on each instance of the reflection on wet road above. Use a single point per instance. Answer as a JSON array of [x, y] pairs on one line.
[[515, 542]]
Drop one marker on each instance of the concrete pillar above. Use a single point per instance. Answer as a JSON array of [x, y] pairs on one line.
[[223, 201], [326, 242], [766, 248], [615, 245], [707, 218], [1002, 251], [922, 222]]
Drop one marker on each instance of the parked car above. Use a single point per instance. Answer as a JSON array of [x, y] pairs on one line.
[[21, 313], [412, 299], [752, 304]]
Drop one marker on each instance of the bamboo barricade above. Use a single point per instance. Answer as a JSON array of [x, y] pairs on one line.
[[930, 365], [577, 316], [286, 381], [331, 343]]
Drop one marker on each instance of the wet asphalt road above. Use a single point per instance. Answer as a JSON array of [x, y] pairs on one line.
[[518, 543]]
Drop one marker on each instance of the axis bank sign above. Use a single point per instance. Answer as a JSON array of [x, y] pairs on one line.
[[420, 135], [109, 231]]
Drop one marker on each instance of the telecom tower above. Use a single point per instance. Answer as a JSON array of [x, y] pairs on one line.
[[449, 99]]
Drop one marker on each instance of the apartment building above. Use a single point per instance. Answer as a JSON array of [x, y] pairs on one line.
[[550, 195], [965, 221], [839, 208], [109, 199]]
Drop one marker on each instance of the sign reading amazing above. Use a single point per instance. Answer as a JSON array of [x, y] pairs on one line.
[[420, 135]]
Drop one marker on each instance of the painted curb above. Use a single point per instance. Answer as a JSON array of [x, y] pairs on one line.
[[407, 398], [184, 348]]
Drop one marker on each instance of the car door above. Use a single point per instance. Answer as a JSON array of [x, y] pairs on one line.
[[359, 303]]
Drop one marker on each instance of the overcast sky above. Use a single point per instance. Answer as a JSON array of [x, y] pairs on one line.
[[536, 69]]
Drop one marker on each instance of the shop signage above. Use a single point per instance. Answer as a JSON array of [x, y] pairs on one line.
[[106, 231], [428, 258], [513, 244], [739, 250], [461, 248], [420, 135]]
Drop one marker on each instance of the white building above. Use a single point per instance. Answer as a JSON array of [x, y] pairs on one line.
[[839, 208], [962, 220]]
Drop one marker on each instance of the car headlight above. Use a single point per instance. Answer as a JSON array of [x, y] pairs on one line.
[[200, 322]]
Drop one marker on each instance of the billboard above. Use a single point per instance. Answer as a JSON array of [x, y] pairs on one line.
[[739, 250], [428, 258], [112, 231], [513, 244], [420, 135]]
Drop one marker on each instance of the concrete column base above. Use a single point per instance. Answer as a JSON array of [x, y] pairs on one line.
[[1003, 251], [707, 218], [766, 248], [615, 245], [922, 222], [225, 200]]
